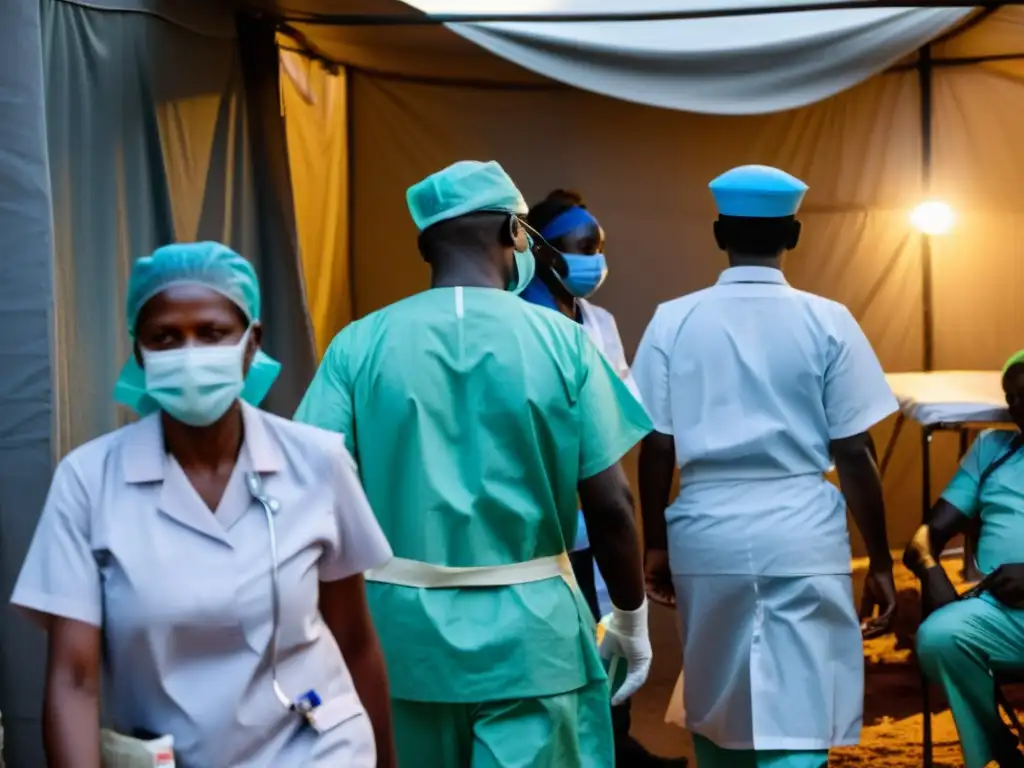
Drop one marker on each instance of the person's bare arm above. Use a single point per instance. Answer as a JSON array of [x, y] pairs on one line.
[[861, 483], [345, 611], [607, 504], [71, 703], [657, 468], [922, 554], [944, 522]]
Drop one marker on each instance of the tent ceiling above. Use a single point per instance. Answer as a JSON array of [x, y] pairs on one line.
[[728, 65], [725, 65]]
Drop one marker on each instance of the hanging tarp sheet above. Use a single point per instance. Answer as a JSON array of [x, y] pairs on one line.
[[26, 312], [150, 142], [316, 105], [727, 65]]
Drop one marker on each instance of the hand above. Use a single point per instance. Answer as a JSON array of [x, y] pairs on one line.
[[1006, 584], [917, 557], [626, 635], [879, 592], [658, 578], [936, 590]]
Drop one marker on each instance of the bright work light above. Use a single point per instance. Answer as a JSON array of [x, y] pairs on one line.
[[933, 218]]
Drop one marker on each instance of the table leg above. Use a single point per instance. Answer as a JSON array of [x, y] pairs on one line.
[[891, 445], [969, 571], [926, 473], [926, 507]]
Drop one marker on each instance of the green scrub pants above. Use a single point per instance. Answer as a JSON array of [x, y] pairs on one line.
[[570, 730], [710, 755], [957, 646]]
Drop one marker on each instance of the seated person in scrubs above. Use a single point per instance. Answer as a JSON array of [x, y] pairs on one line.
[[756, 389], [475, 419], [572, 267], [153, 555], [963, 641]]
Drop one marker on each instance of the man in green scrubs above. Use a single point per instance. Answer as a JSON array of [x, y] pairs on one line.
[[964, 640], [476, 419]]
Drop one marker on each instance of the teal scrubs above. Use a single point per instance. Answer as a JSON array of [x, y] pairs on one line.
[[960, 644], [473, 416]]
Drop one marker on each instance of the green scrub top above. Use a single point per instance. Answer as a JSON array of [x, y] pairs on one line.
[[1000, 501], [473, 415]]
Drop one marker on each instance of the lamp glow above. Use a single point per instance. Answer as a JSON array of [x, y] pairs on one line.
[[933, 218]]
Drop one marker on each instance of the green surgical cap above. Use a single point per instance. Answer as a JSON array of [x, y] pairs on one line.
[[211, 265], [1015, 358], [466, 187]]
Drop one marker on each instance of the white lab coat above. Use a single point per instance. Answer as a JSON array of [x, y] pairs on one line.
[[183, 595], [600, 326], [753, 379]]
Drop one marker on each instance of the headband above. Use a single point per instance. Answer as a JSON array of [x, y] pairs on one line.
[[566, 222]]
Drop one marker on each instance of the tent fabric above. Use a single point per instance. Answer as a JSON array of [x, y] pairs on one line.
[[162, 123], [287, 326], [316, 107], [729, 65], [749, 65], [122, 132], [645, 172], [26, 391], [150, 142]]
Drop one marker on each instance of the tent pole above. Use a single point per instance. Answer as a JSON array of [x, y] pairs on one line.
[[350, 145], [924, 72]]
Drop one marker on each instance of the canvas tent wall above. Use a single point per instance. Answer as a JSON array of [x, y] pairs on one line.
[[161, 120], [423, 96], [121, 131]]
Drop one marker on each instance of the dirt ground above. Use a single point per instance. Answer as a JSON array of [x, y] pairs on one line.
[[892, 703]]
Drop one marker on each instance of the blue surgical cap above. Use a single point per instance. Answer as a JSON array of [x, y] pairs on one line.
[[757, 191], [465, 187], [212, 266]]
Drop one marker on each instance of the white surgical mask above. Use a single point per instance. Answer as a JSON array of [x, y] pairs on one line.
[[196, 384]]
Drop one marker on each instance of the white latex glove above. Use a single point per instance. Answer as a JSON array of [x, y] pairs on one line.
[[626, 635]]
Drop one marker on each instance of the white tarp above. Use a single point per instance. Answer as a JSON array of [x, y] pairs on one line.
[[726, 65], [730, 65]]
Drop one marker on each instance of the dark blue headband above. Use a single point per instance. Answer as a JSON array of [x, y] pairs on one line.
[[566, 222]]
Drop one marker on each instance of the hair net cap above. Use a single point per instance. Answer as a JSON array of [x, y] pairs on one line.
[[465, 187], [209, 264], [1014, 359], [213, 266], [757, 191]]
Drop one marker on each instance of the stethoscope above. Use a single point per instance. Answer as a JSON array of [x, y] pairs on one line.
[[306, 704]]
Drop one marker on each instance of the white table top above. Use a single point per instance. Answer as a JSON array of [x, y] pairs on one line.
[[950, 396]]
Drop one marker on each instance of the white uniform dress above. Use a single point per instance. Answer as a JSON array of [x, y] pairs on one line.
[[184, 595], [754, 379], [602, 329]]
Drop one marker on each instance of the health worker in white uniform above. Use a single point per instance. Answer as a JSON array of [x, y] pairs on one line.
[[571, 268], [208, 557], [756, 390]]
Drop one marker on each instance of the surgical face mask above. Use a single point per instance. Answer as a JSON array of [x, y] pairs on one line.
[[586, 273], [196, 384], [526, 268]]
